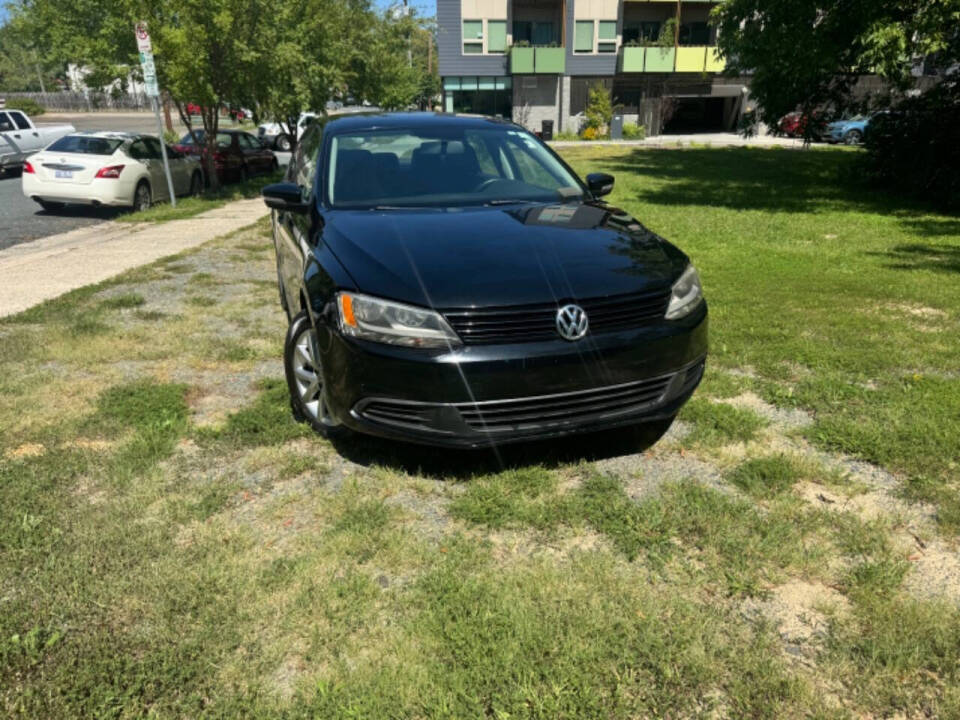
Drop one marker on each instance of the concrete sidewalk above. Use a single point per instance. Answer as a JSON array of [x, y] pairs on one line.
[[36, 271], [700, 139]]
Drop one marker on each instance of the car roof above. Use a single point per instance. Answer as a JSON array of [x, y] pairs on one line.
[[113, 134], [423, 120]]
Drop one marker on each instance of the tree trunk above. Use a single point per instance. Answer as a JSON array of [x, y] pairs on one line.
[[211, 124]]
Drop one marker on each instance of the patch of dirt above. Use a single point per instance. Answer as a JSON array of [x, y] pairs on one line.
[[512, 545], [645, 473], [784, 418], [915, 310], [433, 519], [90, 444], [799, 609], [27, 450], [935, 571]]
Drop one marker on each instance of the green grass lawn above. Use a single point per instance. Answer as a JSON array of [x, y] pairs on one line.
[[839, 299], [173, 545], [187, 207]]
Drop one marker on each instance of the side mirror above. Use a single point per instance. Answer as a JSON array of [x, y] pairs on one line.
[[600, 184], [284, 196]]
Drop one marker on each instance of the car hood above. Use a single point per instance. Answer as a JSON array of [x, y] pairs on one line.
[[502, 256]]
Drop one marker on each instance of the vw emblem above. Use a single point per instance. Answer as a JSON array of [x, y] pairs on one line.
[[572, 323]]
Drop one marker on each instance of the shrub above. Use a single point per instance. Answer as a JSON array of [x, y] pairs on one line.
[[29, 106], [170, 137], [916, 147], [566, 135], [599, 108], [632, 131], [590, 133]]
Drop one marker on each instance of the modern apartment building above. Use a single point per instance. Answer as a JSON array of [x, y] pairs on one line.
[[534, 60]]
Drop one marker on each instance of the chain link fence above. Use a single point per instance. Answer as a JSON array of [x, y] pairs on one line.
[[82, 102]]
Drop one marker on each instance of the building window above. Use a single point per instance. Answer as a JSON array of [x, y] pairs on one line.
[[694, 33], [496, 36], [481, 96], [472, 37], [583, 36], [535, 33], [607, 36]]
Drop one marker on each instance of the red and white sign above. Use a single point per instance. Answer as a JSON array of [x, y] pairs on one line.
[[143, 38]]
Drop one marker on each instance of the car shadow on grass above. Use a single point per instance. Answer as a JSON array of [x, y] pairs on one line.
[[921, 256], [771, 180], [456, 464]]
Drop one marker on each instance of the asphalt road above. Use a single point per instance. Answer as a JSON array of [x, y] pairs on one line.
[[22, 220]]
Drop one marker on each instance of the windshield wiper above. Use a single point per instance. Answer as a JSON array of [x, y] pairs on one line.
[[403, 207], [508, 201]]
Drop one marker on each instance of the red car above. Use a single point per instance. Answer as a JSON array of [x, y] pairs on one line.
[[237, 114], [239, 154], [794, 124]]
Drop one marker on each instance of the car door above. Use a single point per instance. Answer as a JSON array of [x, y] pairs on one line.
[[180, 171], [147, 151], [295, 230], [30, 138], [229, 150], [253, 152]]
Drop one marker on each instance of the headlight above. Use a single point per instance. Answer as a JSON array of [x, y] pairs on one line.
[[686, 294], [369, 318]]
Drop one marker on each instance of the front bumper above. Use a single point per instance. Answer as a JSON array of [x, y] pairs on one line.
[[478, 396]]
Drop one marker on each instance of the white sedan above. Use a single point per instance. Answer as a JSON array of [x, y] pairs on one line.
[[107, 168]]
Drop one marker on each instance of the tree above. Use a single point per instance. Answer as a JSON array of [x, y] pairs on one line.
[[23, 67], [808, 54]]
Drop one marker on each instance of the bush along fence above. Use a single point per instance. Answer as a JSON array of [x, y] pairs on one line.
[[81, 102]]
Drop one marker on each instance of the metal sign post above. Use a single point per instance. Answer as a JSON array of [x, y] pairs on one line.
[[150, 84]]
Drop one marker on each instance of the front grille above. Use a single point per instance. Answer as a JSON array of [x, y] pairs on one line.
[[548, 410], [529, 323]]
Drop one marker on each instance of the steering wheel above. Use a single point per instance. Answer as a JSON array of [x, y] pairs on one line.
[[487, 183]]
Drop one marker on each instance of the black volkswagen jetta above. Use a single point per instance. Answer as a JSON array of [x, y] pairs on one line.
[[450, 280]]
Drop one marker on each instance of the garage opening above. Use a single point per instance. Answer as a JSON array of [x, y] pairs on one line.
[[685, 115]]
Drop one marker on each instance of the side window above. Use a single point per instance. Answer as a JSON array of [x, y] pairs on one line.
[[484, 159], [138, 150], [5, 123], [246, 142], [153, 149], [307, 154], [531, 170], [21, 120], [224, 140]]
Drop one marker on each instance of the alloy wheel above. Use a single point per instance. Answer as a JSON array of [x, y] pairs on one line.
[[308, 377], [142, 199]]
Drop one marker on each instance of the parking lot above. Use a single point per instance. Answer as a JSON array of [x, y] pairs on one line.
[[23, 220]]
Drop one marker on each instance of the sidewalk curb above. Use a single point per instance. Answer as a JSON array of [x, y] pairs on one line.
[[33, 272]]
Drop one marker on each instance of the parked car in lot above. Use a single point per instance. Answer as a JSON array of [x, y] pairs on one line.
[[850, 131], [277, 135], [21, 137], [450, 280], [107, 168], [795, 124], [239, 154]]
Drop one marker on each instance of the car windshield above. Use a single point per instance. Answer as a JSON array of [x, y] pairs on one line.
[[86, 145], [444, 167], [223, 139]]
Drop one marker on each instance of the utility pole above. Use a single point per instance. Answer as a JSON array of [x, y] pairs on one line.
[[406, 14]]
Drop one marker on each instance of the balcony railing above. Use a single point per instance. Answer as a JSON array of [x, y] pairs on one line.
[[686, 58], [538, 60]]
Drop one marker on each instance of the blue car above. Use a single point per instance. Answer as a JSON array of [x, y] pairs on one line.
[[850, 131]]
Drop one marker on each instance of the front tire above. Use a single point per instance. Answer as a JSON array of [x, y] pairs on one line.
[[142, 197], [854, 137], [283, 143], [305, 380]]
